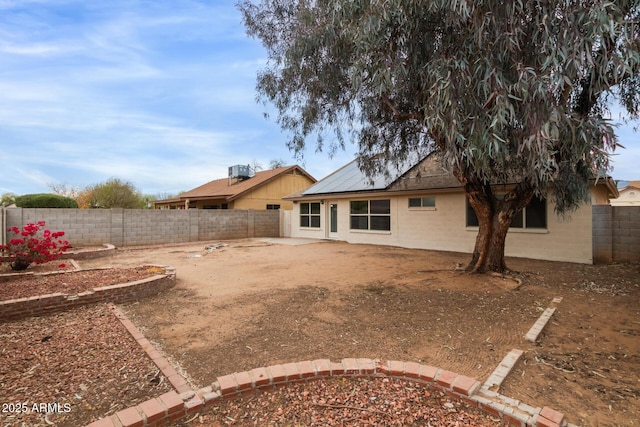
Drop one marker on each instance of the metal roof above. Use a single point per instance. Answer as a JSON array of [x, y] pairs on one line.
[[350, 178]]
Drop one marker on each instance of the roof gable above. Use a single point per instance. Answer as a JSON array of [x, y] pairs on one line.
[[428, 174], [229, 189], [350, 178], [629, 188]]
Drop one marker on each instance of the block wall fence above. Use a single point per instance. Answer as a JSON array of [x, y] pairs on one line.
[[132, 227], [616, 229], [616, 234]]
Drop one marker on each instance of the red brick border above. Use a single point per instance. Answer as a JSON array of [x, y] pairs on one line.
[[119, 293], [185, 402], [106, 250], [172, 406], [178, 382]]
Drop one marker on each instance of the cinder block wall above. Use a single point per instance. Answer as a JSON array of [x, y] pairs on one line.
[[223, 224], [616, 234], [264, 222], [89, 226], [131, 227]]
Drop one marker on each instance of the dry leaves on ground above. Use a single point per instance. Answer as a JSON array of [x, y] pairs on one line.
[[69, 282], [345, 402], [72, 368]]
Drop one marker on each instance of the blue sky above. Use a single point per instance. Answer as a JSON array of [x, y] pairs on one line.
[[158, 93]]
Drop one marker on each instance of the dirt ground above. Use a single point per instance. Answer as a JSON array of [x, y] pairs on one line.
[[256, 303]]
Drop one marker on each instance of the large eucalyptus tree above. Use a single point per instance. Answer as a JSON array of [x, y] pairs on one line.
[[508, 91]]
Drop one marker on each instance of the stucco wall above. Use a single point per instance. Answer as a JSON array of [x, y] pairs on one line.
[[130, 227], [444, 228]]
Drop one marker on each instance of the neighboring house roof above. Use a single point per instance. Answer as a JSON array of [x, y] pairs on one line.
[[622, 184], [629, 189], [426, 173], [231, 190], [629, 195]]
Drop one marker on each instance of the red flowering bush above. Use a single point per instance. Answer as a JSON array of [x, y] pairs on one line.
[[29, 246]]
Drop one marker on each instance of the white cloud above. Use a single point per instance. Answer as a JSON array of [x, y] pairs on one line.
[[37, 49], [158, 93]]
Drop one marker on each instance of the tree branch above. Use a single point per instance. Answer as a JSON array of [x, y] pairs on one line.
[[397, 115]]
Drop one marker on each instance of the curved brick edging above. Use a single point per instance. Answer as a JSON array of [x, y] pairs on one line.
[[119, 293], [172, 406], [4, 277], [185, 402], [106, 250]]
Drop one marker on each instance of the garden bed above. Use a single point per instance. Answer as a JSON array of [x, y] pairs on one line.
[[72, 368], [36, 294]]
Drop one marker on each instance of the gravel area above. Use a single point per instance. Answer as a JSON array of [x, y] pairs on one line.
[[345, 402]]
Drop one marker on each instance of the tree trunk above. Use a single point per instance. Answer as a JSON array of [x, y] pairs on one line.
[[19, 264], [488, 254], [494, 218], [495, 214]]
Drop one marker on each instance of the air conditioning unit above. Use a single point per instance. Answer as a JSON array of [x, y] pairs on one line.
[[240, 171]]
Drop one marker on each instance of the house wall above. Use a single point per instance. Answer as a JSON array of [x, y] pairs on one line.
[[130, 227], [600, 195], [629, 196], [444, 228], [272, 192]]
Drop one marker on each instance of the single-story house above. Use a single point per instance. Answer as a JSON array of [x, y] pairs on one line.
[[629, 195], [243, 190], [424, 206]]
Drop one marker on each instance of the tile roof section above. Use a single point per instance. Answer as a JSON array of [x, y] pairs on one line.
[[230, 190]]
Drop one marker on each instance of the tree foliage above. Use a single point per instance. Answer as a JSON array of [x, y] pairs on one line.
[[116, 193], [7, 199], [81, 195], [45, 201], [507, 91]]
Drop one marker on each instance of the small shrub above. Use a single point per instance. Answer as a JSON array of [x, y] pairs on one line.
[[29, 246]]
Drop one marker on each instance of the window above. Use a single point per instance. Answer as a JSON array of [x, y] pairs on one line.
[[371, 215], [310, 215], [534, 215], [273, 207], [422, 202]]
